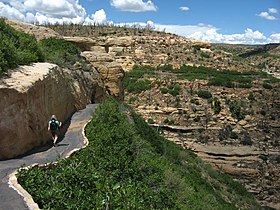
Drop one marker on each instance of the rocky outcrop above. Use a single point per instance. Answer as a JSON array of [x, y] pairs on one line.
[[39, 32], [84, 43], [31, 94], [110, 71], [101, 55]]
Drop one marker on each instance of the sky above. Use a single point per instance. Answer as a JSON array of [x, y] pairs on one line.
[[216, 21]]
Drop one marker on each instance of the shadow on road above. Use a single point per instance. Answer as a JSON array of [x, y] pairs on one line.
[[49, 144]]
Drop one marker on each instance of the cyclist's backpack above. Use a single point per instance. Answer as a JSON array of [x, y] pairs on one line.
[[53, 125]]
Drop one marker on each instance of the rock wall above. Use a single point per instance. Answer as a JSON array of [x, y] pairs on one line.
[[110, 71], [31, 94], [97, 53]]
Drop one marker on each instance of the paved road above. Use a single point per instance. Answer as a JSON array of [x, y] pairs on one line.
[[73, 138]]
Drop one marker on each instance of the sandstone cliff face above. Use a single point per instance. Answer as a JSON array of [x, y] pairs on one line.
[[158, 50], [31, 94], [97, 53], [110, 71]]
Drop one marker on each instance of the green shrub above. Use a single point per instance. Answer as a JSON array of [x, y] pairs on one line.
[[217, 106], [205, 55], [133, 99], [195, 101], [225, 82], [233, 135], [174, 92], [197, 47], [16, 48], [150, 121], [173, 89], [267, 86], [263, 112], [272, 79], [134, 74], [204, 94], [251, 96], [237, 111], [163, 90], [133, 85], [143, 70], [166, 67], [60, 51], [277, 159]]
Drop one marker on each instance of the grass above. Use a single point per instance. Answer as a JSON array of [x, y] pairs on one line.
[[128, 165]]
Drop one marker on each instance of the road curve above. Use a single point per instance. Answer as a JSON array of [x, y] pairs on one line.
[[74, 139]]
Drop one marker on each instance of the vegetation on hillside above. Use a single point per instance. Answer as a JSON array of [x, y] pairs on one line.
[[60, 51], [98, 30], [224, 78], [16, 48], [128, 165]]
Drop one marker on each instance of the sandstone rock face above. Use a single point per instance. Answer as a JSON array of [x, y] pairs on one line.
[[39, 32], [84, 43], [103, 59], [126, 41], [109, 70], [31, 94]]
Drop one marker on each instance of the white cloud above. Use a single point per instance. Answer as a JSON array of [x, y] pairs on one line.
[[210, 33], [274, 38], [99, 16], [267, 16], [184, 8], [49, 11], [272, 10], [134, 5], [56, 8], [10, 12]]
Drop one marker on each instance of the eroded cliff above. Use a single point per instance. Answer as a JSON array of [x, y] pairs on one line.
[[31, 94]]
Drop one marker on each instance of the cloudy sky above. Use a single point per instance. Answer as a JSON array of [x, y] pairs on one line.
[[227, 21]]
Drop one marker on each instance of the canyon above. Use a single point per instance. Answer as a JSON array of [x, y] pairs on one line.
[[248, 148]]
